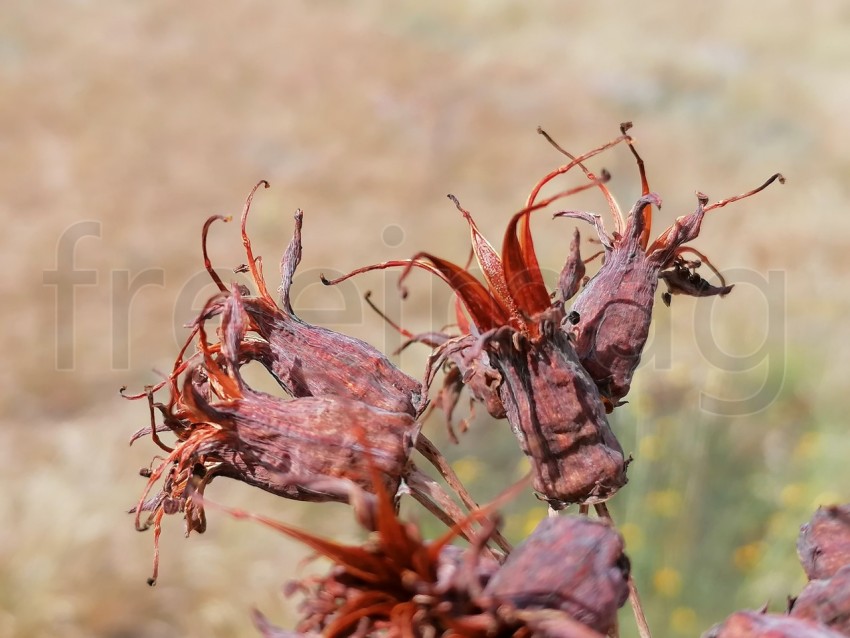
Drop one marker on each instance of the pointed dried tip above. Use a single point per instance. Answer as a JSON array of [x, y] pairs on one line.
[[625, 126]]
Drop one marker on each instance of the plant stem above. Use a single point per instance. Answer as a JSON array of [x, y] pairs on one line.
[[634, 597]]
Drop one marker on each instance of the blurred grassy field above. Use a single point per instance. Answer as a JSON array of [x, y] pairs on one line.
[[148, 117]]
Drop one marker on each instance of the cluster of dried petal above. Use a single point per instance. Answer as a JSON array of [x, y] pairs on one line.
[[822, 610], [567, 579], [753, 624], [826, 601], [824, 542]]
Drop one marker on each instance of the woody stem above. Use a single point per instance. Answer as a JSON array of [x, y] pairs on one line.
[[634, 597]]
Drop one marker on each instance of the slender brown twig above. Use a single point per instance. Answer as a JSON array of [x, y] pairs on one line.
[[634, 598]]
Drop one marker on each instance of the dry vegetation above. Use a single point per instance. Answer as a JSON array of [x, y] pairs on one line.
[[148, 117]]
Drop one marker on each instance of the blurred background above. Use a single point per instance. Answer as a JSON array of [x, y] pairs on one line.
[[126, 124]]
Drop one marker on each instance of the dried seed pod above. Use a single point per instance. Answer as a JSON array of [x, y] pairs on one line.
[[399, 584], [824, 542], [225, 428], [550, 401], [557, 415], [615, 307], [570, 563], [307, 360], [753, 624], [826, 601]]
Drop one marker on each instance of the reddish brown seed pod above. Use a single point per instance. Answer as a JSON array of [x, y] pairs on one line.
[[826, 601], [614, 309], [550, 401], [225, 428], [307, 360], [570, 563], [753, 624], [557, 415], [824, 542]]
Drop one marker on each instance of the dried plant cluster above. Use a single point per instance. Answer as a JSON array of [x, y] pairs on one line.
[[822, 610], [346, 426]]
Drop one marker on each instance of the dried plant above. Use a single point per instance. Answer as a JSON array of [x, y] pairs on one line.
[[512, 329], [340, 386], [397, 584], [351, 421], [824, 542], [614, 309]]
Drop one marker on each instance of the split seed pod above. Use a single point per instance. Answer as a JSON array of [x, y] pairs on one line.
[[570, 563], [614, 310]]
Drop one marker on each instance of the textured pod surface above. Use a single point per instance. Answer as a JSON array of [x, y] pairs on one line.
[[556, 413], [824, 542], [267, 438], [310, 360], [570, 563], [827, 601], [752, 624], [615, 311]]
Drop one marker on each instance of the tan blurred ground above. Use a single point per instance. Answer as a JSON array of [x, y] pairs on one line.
[[148, 117]]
